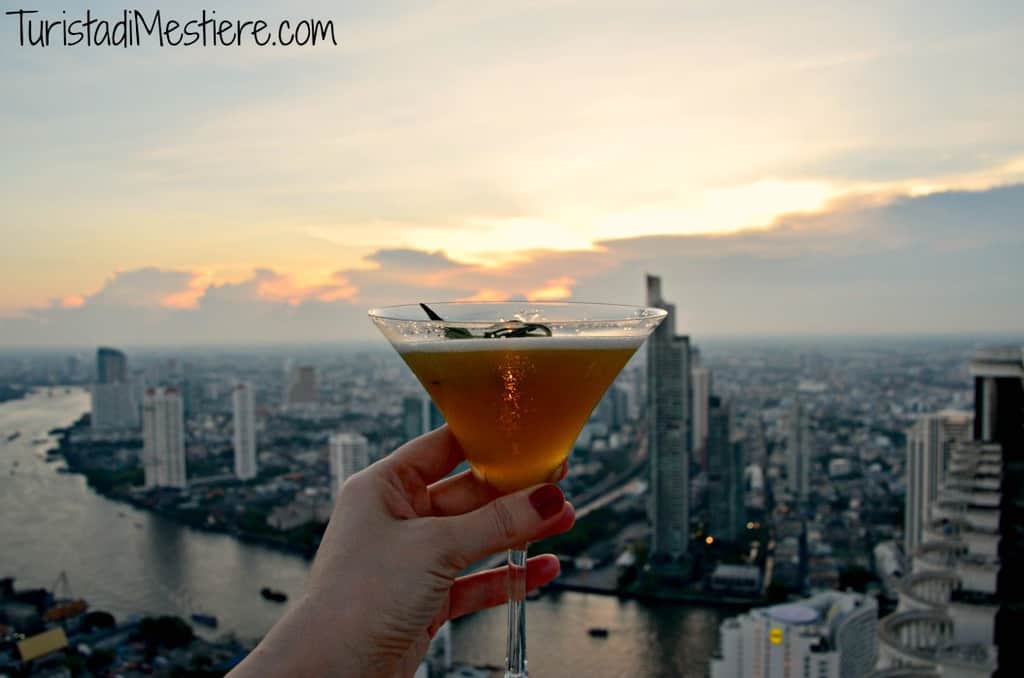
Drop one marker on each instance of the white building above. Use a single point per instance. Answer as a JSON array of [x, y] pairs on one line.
[[245, 432], [163, 438], [349, 453], [830, 635], [700, 378], [798, 452], [929, 442], [945, 620]]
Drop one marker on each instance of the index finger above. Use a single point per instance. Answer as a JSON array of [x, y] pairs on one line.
[[433, 455]]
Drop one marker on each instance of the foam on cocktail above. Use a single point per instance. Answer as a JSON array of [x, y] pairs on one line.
[[557, 342]]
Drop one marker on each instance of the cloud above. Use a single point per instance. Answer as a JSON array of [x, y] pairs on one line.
[[949, 262]]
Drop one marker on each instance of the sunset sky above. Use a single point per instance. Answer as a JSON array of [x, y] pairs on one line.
[[786, 167]]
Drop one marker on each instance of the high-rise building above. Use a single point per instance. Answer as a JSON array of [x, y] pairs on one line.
[[798, 452], [301, 389], [420, 415], [348, 454], [726, 512], [245, 431], [929, 442], [111, 366], [163, 438], [999, 418], [701, 379], [668, 438], [830, 635], [412, 417], [433, 415], [963, 601], [113, 403]]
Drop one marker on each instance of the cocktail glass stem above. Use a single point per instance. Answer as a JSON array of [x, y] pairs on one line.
[[515, 660]]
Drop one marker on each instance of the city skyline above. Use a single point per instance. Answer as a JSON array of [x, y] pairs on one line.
[[795, 157]]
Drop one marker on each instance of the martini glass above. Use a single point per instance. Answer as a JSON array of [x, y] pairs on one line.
[[516, 382]]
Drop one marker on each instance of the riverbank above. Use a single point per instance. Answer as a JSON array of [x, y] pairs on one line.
[[115, 475]]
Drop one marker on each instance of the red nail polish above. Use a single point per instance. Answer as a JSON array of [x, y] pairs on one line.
[[547, 501]]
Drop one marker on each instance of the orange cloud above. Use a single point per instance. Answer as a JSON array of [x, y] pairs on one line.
[[553, 290], [72, 301], [189, 297], [284, 288], [486, 294]]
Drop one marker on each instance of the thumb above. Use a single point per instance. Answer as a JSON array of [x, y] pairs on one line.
[[506, 522]]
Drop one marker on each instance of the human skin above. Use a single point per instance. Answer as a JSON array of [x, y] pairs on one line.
[[386, 575]]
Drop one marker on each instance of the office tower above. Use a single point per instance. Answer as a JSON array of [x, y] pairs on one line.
[[113, 405], [111, 366], [929, 442], [348, 454], [960, 606], [830, 635], [432, 415], [612, 410], [245, 432], [668, 413], [420, 415], [726, 512], [412, 417], [701, 379], [163, 438], [301, 389], [798, 452]]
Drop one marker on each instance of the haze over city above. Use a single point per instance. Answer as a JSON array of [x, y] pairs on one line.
[[807, 169]]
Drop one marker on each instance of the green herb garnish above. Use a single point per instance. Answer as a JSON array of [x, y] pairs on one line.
[[510, 329]]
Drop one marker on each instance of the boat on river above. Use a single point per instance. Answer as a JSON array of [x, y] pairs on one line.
[[272, 595]]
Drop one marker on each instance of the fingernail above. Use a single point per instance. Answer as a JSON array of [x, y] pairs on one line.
[[547, 501]]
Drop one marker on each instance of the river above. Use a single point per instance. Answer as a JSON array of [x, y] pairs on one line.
[[129, 561]]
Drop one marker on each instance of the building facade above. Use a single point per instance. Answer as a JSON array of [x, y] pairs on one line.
[[112, 396], [798, 452], [726, 511], [668, 414], [348, 454], [244, 407], [301, 388], [700, 378], [960, 605], [929, 442], [163, 438], [830, 635]]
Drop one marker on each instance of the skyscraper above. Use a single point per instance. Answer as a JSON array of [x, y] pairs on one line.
[[726, 514], [668, 439], [245, 432], [798, 452], [412, 417], [111, 366], [301, 389], [929, 442], [163, 438], [113, 405], [420, 415], [999, 418], [701, 379], [962, 603], [830, 635], [348, 454]]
